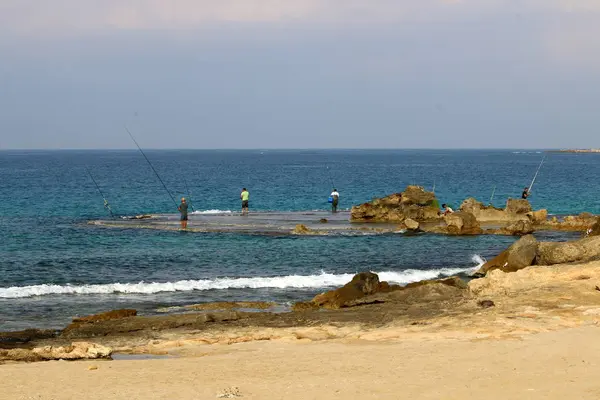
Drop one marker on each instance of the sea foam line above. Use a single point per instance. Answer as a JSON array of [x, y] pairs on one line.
[[211, 212], [322, 280]]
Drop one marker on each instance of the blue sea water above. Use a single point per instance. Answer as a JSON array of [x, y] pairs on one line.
[[54, 266]]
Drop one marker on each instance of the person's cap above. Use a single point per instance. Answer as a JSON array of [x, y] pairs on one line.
[[183, 199], [243, 188]]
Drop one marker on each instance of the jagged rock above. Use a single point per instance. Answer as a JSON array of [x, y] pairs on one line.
[[595, 229], [520, 228], [550, 253], [462, 223], [362, 284], [76, 351], [484, 213], [538, 216], [411, 224], [106, 316], [301, 229], [518, 206], [9, 340], [414, 203], [520, 254]]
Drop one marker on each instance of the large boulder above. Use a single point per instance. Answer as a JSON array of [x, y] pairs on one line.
[[550, 253], [518, 206], [414, 203], [361, 285], [519, 255], [462, 223], [411, 224]]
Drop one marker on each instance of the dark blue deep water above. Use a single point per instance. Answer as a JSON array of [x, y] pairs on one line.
[[53, 266]]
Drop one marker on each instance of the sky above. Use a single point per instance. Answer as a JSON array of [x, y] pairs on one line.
[[299, 73]]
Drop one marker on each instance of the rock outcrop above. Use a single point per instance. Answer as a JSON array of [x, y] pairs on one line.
[[361, 285], [550, 253], [76, 351], [520, 254], [594, 230], [517, 228], [462, 223], [515, 210], [101, 317], [414, 203], [365, 288]]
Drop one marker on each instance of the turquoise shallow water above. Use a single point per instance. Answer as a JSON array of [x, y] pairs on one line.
[[53, 266]]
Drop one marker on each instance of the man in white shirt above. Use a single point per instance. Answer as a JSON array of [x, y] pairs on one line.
[[447, 209], [335, 197]]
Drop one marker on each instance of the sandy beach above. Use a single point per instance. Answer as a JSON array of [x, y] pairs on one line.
[[539, 341], [555, 365]]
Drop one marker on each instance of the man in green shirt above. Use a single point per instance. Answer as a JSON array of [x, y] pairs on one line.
[[183, 209], [245, 196]]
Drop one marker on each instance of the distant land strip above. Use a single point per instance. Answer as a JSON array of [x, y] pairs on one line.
[[575, 151]]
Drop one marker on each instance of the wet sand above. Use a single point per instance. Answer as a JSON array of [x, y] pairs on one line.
[[556, 365]]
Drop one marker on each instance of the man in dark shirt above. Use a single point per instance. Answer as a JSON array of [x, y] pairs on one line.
[[525, 193], [183, 209]]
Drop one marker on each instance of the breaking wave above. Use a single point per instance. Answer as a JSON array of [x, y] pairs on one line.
[[197, 212], [322, 280]]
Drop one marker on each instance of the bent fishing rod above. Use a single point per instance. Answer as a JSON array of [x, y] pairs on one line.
[[106, 205], [150, 164], [189, 194], [536, 174]]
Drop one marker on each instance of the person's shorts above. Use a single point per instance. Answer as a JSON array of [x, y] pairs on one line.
[[184, 218], [334, 202], [245, 204]]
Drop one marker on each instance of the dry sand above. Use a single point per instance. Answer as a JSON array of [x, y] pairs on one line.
[[563, 364]]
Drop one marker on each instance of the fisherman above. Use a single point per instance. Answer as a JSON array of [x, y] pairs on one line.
[[335, 198], [447, 209], [183, 209], [245, 196], [525, 193]]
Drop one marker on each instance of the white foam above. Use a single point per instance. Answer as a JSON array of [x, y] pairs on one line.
[[212, 212], [322, 280]]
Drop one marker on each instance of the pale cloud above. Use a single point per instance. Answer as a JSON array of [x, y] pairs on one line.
[[75, 16]]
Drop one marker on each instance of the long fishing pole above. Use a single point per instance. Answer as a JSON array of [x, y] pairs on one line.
[[433, 188], [106, 205], [492, 196], [536, 174], [330, 178], [189, 194], [150, 164]]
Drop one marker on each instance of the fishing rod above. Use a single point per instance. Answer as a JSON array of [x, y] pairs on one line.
[[150, 164], [189, 194], [106, 205], [433, 188], [330, 178], [536, 174], [492, 196]]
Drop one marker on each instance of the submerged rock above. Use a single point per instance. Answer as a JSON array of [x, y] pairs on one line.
[[414, 203]]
